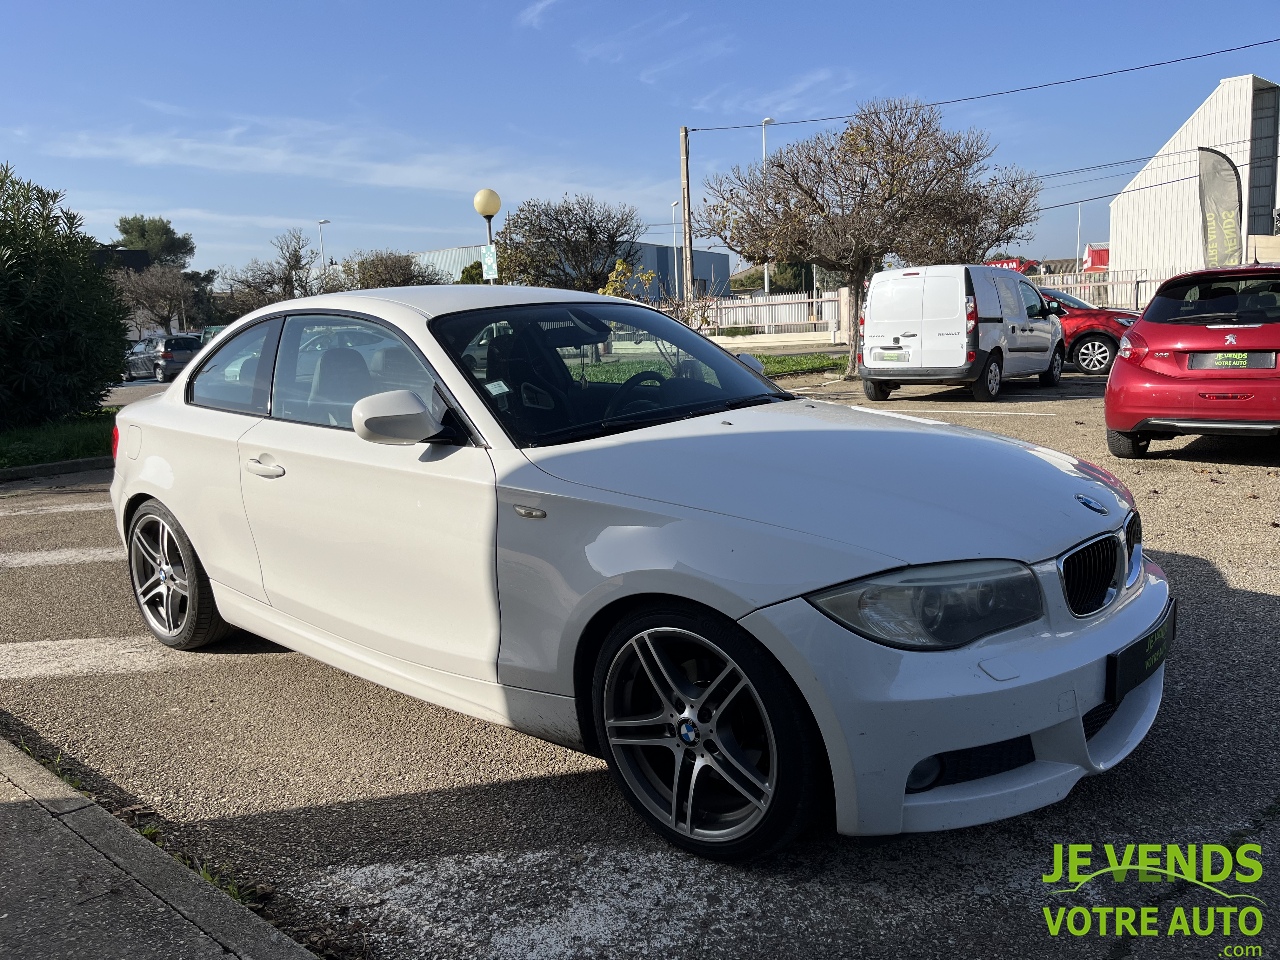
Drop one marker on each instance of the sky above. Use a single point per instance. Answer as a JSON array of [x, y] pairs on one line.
[[238, 121]]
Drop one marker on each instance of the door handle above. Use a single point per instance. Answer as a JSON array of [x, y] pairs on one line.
[[260, 469], [905, 335]]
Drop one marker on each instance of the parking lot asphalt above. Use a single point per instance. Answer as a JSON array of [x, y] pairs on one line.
[[384, 827]]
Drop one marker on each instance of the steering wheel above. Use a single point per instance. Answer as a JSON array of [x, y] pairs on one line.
[[627, 387]]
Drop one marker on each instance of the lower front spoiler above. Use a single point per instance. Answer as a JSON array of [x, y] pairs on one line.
[[1063, 757]]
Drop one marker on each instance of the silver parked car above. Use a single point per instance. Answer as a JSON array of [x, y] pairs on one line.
[[161, 358]]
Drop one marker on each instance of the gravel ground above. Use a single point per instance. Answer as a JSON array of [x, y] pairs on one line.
[[383, 827]]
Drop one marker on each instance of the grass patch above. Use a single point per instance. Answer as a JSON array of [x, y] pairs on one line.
[[801, 363], [88, 435]]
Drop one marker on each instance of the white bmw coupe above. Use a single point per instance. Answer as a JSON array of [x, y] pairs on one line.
[[573, 515]]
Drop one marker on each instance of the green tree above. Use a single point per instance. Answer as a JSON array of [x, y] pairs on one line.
[[572, 244], [156, 236], [62, 324], [472, 273]]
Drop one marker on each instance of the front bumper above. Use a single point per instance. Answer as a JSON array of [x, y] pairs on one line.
[[881, 711]]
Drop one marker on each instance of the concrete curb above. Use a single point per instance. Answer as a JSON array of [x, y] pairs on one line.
[[52, 469], [234, 927]]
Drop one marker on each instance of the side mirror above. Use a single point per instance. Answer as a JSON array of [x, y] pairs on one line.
[[396, 417], [752, 362], [1056, 308]]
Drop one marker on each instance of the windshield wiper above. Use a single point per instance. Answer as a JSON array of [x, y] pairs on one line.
[[677, 413], [1202, 317]]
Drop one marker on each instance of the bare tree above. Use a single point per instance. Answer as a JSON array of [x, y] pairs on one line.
[[262, 282], [157, 295], [572, 243], [368, 270], [893, 184]]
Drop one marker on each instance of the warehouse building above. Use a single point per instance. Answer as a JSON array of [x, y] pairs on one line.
[[710, 269], [1156, 222]]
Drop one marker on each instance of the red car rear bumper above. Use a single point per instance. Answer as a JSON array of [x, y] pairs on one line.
[[1142, 400]]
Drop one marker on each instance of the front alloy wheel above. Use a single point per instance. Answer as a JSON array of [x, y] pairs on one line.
[[706, 736], [1094, 355]]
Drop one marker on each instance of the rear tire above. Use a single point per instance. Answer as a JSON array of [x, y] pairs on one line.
[[1094, 354], [1127, 446], [728, 713], [875, 390], [1053, 376], [159, 374], [170, 585], [987, 386]]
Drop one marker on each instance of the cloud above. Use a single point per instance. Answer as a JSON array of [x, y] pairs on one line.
[[289, 147], [639, 37], [700, 53], [531, 16], [810, 93]]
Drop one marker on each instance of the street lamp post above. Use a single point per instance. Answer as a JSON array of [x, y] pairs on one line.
[[324, 264], [764, 159], [487, 204]]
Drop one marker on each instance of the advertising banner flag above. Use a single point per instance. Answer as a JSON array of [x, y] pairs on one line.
[[1220, 209]]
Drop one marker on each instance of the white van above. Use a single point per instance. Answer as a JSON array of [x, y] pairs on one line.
[[957, 324]]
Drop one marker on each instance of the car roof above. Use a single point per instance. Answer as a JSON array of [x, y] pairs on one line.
[[437, 299], [1210, 272]]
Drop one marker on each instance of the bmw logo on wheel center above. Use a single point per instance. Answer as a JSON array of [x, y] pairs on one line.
[[1092, 504], [688, 732]]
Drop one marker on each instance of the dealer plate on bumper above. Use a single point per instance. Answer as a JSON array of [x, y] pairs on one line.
[[1139, 660]]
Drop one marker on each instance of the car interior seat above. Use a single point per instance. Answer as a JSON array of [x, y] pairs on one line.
[[341, 378]]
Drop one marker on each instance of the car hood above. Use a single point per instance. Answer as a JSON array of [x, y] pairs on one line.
[[917, 490]]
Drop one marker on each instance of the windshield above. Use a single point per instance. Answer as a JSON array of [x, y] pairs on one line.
[[1067, 300], [552, 373], [1218, 299]]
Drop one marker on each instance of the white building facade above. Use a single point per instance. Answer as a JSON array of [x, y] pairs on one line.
[[1155, 221]]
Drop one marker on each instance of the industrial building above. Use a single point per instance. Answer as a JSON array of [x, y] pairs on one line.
[[1156, 221], [710, 269]]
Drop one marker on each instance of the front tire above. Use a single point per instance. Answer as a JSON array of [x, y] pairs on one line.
[[875, 390], [1053, 376], [1094, 355], [169, 583], [706, 736], [1127, 446], [987, 386]]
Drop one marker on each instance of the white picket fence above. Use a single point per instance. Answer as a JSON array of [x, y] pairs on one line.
[[794, 314]]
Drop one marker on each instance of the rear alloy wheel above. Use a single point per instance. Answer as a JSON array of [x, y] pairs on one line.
[[1127, 446], [159, 374], [875, 390], [1094, 355], [987, 386], [169, 582], [706, 736], [1053, 376]]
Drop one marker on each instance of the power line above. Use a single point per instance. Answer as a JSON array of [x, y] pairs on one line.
[[1104, 196], [1005, 93]]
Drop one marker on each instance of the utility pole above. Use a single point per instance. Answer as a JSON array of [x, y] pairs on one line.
[[687, 210]]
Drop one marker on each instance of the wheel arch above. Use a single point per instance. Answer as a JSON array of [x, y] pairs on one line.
[[1091, 331]]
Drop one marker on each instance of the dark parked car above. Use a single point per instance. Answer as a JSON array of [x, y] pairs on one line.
[[1092, 333], [159, 357]]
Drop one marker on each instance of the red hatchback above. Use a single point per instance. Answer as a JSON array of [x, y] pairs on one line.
[[1201, 360], [1092, 334]]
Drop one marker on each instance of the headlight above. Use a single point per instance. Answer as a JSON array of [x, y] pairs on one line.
[[936, 607]]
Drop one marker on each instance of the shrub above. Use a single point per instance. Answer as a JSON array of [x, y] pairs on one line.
[[62, 325]]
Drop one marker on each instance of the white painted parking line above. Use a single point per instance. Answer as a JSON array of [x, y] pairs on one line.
[[54, 508], [85, 657], [53, 558], [974, 413]]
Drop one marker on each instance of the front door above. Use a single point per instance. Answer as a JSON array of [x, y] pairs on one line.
[[390, 547]]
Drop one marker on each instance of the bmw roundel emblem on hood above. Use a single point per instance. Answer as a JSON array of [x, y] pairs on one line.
[[1092, 504]]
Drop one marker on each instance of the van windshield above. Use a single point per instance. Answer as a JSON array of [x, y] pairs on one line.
[[1218, 299]]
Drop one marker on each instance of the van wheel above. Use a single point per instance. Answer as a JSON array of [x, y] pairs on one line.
[[875, 390], [1053, 376], [1127, 446], [987, 386]]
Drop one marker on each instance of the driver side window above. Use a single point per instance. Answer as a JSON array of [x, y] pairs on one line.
[[1031, 299]]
